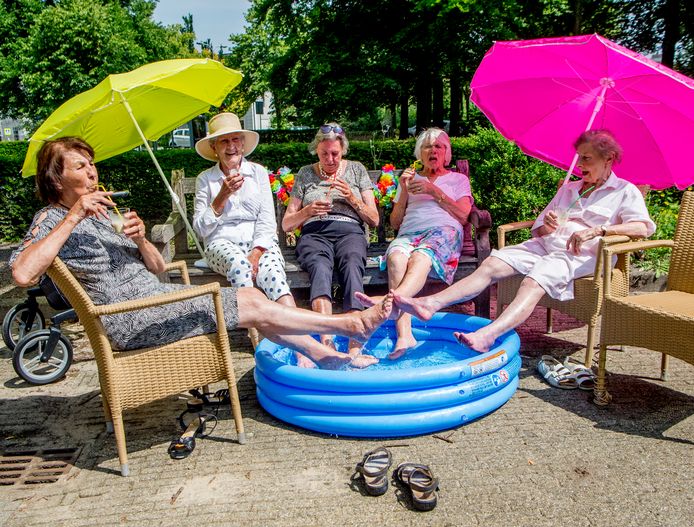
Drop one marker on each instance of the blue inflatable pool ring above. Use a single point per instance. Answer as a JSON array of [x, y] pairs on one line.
[[439, 384]]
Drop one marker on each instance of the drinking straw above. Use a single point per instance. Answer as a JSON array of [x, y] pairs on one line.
[[114, 203], [579, 197]]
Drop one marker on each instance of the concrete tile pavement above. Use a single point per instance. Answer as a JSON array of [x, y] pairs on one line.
[[547, 457]]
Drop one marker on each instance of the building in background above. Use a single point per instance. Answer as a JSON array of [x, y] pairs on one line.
[[258, 115], [11, 130]]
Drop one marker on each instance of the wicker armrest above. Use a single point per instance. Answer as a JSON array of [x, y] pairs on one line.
[[157, 300], [622, 248], [501, 230], [179, 265], [630, 247]]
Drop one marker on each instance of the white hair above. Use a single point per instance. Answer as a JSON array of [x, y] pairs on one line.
[[431, 136]]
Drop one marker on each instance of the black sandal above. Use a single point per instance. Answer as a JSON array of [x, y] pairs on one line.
[[374, 468], [421, 482], [183, 446]]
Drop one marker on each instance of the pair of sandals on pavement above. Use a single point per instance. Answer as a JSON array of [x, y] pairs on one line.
[[570, 375], [195, 422], [419, 479]]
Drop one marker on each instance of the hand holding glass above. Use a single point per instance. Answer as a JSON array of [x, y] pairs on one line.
[[117, 218]]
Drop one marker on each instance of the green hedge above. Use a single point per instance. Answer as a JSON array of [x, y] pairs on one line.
[[511, 185]]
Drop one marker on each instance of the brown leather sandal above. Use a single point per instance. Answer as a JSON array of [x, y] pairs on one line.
[[421, 482], [374, 468]]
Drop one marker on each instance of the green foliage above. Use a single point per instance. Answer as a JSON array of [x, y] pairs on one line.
[[67, 47], [663, 207]]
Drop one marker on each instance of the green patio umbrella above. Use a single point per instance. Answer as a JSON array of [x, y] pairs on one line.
[[127, 110]]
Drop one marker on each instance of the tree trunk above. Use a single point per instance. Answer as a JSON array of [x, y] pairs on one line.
[[578, 17], [393, 107], [404, 113], [672, 31], [423, 95], [437, 102], [456, 95]]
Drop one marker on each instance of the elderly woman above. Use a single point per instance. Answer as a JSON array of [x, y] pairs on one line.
[[235, 214], [331, 200], [430, 213], [598, 204], [115, 267]]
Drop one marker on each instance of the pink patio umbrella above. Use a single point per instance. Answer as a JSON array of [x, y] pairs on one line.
[[542, 94]]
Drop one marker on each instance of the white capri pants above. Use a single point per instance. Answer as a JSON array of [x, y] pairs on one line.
[[231, 260]]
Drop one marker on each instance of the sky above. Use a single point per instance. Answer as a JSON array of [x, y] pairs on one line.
[[213, 19]]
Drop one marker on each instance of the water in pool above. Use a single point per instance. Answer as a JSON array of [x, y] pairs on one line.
[[428, 351]]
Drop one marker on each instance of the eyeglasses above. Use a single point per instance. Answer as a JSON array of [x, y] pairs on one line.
[[327, 128]]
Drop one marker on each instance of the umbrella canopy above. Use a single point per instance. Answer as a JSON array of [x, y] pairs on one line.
[[129, 109], [542, 94], [161, 96]]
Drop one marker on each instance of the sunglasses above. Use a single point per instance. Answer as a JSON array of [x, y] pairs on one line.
[[326, 129]]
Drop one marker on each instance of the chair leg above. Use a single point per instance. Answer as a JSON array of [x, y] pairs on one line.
[[549, 320], [590, 345], [119, 432], [600, 395], [664, 361], [107, 414], [254, 337]]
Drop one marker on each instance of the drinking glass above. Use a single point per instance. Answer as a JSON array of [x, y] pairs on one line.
[[117, 218]]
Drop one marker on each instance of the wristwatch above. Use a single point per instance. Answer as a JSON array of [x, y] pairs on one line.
[[603, 229], [440, 199]]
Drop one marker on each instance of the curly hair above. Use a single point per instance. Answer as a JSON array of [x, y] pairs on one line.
[[329, 136], [604, 143]]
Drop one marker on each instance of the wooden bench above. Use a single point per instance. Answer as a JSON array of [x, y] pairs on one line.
[[171, 239]]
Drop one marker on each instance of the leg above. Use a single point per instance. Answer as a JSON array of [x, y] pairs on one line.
[[350, 258], [228, 259], [271, 277], [255, 310], [407, 277], [490, 271], [324, 356], [324, 305], [529, 294]]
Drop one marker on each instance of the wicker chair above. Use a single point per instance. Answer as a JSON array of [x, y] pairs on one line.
[[133, 378], [587, 301], [664, 321], [588, 291]]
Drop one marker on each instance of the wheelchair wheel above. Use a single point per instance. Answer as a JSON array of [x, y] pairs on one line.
[[27, 358], [14, 325]]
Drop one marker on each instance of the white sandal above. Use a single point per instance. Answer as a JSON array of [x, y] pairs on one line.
[[585, 377], [556, 374]]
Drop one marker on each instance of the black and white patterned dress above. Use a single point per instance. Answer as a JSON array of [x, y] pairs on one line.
[[110, 268]]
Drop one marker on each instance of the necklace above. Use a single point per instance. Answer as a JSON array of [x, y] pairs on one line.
[[325, 176]]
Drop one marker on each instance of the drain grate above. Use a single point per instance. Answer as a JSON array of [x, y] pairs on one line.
[[36, 467]]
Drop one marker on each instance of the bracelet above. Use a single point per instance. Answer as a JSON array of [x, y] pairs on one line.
[[359, 206], [440, 199]]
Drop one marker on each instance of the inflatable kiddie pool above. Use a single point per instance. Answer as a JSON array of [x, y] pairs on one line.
[[439, 384]]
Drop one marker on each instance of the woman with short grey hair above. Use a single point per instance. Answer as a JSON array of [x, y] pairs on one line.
[[331, 201]]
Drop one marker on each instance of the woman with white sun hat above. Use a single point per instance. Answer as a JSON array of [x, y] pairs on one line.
[[234, 211]]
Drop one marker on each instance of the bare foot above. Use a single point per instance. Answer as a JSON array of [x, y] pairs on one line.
[[475, 342], [354, 347], [363, 361], [370, 319], [334, 362], [328, 340], [367, 301], [303, 361], [422, 308], [401, 346]]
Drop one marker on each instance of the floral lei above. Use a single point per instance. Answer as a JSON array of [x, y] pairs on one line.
[[281, 183], [387, 185]]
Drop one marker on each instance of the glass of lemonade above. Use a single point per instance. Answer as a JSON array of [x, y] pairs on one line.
[[117, 218]]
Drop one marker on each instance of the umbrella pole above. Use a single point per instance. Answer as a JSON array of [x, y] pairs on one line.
[[606, 83], [174, 196]]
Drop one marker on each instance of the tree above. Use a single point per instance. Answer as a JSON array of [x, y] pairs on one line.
[[70, 47]]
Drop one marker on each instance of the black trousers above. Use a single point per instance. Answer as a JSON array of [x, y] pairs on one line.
[[325, 245]]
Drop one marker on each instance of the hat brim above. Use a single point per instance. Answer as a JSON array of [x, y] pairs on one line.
[[204, 148]]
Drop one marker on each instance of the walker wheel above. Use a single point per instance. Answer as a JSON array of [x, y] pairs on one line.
[[14, 325], [27, 359]]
